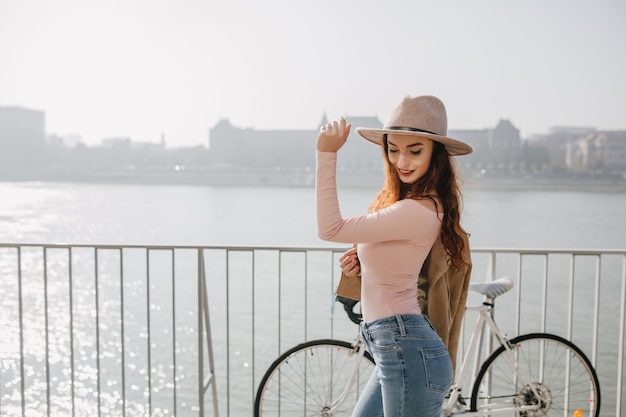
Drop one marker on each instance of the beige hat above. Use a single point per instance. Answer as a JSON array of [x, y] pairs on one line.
[[420, 116]]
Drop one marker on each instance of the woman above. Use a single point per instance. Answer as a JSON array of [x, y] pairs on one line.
[[418, 205]]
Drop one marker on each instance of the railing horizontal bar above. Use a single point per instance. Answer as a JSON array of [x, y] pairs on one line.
[[528, 251]]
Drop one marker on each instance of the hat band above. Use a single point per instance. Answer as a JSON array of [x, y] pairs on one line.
[[410, 129]]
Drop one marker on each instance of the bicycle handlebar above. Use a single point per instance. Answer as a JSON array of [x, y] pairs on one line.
[[349, 305]]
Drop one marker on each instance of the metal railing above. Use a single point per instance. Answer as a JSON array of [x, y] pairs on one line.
[[125, 330], [73, 342]]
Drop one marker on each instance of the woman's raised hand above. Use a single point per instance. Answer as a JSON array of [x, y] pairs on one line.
[[333, 135]]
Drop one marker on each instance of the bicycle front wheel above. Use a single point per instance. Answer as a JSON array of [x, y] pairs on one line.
[[542, 375], [311, 379]]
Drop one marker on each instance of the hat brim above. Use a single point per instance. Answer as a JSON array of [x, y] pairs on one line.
[[453, 146]]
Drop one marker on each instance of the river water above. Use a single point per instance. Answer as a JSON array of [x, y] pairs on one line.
[[195, 215]]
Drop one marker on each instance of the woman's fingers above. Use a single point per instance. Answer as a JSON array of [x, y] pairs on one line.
[[353, 270], [333, 135], [349, 263]]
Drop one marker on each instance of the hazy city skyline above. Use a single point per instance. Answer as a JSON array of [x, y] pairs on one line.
[[142, 69]]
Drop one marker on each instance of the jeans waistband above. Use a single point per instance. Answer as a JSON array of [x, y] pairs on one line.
[[400, 320]]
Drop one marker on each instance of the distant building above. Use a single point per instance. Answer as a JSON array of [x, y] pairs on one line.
[[478, 139], [499, 149], [498, 145], [558, 143], [66, 141], [231, 147], [504, 142], [22, 138], [603, 152], [117, 142]]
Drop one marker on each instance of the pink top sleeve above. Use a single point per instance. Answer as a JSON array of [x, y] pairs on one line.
[[393, 244]]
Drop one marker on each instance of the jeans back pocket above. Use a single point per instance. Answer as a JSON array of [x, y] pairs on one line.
[[438, 368]]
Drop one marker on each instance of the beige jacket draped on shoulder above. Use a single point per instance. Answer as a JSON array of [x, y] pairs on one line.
[[443, 292]]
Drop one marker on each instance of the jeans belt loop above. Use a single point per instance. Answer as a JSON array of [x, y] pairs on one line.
[[401, 325]]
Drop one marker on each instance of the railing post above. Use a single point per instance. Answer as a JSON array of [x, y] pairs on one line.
[[21, 318], [200, 349], [203, 314], [207, 324], [620, 349]]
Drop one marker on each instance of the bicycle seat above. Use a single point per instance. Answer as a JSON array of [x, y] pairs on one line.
[[492, 289]]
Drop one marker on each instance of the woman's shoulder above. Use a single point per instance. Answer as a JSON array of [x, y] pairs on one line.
[[429, 201]]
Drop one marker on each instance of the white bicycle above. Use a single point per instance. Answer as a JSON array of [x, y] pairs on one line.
[[532, 375]]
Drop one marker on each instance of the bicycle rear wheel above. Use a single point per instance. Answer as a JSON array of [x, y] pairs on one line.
[[546, 364], [307, 379]]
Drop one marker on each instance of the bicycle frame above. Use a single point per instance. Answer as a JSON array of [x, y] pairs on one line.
[[485, 319], [359, 344], [508, 379]]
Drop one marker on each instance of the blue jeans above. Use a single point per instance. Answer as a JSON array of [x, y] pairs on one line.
[[413, 369]]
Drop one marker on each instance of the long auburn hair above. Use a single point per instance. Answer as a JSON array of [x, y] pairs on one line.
[[440, 180]]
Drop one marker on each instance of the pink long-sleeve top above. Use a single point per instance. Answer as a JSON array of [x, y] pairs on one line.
[[392, 244]]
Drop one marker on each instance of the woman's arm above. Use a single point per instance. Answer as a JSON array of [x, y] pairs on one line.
[[405, 219]]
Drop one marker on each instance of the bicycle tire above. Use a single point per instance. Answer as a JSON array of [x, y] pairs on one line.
[[307, 378], [560, 372]]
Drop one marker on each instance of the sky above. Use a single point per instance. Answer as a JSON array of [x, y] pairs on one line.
[[147, 68]]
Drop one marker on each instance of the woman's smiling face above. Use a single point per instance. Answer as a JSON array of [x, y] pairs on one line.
[[410, 155]]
